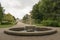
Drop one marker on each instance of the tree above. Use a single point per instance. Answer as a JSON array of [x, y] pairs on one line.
[[35, 14], [1, 13], [14, 18], [50, 9], [26, 18], [46, 9], [8, 17]]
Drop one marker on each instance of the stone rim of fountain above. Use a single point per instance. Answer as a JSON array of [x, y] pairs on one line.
[[30, 33]]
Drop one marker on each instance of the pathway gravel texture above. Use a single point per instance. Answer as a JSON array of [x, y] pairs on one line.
[[4, 36]]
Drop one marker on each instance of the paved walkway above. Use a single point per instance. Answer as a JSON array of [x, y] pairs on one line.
[[10, 37]]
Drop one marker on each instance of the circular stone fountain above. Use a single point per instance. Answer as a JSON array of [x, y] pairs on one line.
[[30, 31]]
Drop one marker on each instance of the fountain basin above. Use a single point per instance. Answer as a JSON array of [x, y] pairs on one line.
[[30, 31]]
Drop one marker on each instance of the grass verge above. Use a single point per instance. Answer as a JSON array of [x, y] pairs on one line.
[[6, 26]]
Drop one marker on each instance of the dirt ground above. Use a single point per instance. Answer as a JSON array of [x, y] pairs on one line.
[[4, 36]]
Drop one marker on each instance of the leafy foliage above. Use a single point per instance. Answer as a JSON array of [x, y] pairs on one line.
[[47, 10], [50, 9], [50, 23], [35, 14], [25, 18], [8, 18], [1, 13]]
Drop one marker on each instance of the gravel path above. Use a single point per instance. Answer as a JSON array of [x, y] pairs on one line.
[[10, 37]]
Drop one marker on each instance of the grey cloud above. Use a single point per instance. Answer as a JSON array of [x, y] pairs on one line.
[[27, 2], [18, 8]]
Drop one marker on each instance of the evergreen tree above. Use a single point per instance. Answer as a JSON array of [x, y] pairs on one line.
[[1, 13], [46, 9]]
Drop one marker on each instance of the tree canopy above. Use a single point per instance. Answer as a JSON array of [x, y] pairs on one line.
[[8, 17], [26, 18], [46, 9], [1, 13], [47, 12]]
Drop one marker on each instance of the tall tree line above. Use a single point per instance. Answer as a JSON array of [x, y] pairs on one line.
[[46, 12], [1, 13], [46, 9], [6, 17]]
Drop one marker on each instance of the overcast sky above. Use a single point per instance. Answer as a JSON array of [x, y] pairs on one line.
[[18, 8]]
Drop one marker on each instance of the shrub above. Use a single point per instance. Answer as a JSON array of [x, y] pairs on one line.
[[7, 22], [50, 23]]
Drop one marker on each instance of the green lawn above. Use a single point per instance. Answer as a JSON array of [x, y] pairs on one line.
[[5, 26]]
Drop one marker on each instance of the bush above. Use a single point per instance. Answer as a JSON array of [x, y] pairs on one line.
[[50, 23], [7, 22]]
